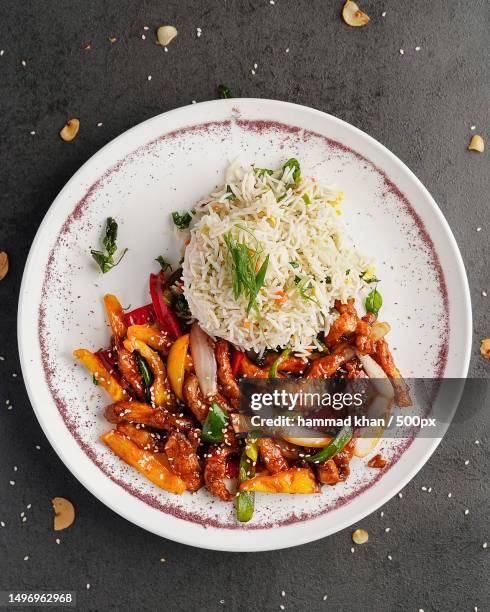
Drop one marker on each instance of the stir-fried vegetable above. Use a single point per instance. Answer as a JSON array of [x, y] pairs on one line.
[[140, 316], [204, 360], [176, 364], [147, 375], [213, 429], [374, 301], [294, 480], [337, 444], [105, 261], [103, 377], [165, 316], [245, 500], [282, 357]]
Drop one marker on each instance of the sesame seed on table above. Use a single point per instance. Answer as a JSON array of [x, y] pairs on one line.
[[416, 78]]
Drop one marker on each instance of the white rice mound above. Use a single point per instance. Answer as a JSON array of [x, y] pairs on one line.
[[292, 223]]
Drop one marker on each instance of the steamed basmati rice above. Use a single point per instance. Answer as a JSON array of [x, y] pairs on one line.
[[300, 228]]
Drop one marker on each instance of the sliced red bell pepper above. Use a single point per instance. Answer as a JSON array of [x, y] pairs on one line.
[[140, 316], [167, 319], [109, 361], [232, 468], [236, 359]]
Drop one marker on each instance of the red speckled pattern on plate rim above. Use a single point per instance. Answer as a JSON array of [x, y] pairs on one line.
[[257, 126]]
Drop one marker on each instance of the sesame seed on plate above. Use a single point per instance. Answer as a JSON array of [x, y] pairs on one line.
[[484, 545], [383, 14], [149, 77], [449, 494], [400, 495], [3, 525], [57, 540], [467, 462], [478, 229], [24, 63], [325, 597], [390, 558], [352, 549], [466, 512], [402, 52], [484, 293], [473, 127], [283, 593], [12, 482], [387, 529], [26, 558]]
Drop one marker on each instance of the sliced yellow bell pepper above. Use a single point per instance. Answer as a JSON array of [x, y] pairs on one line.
[[157, 339], [145, 462], [159, 392], [101, 375], [294, 480], [115, 315], [176, 364]]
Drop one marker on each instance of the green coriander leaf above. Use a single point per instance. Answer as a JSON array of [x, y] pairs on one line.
[[294, 264], [182, 221], [164, 263], [110, 237]]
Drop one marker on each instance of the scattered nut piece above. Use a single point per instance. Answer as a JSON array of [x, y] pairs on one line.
[[485, 348], [353, 16], [64, 513], [4, 264], [70, 130], [476, 144], [166, 34], [87, 47], [360, 536]]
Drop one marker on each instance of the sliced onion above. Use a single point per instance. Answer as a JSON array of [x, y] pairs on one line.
[[204, 360], [381, 382], [379, 330], [301, 436]]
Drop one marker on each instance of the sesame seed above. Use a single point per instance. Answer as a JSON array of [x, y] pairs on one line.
[[143, 37], [12, 482], [271, 2], [325, 597], [165, 49], [424, 488], [467, 462], [29, 506], [32, 133], [466, 512], [449, 494], [402, 52], [478, 229], [99, 124], [352, 549], [390, 558], [146, 28], [484, 293], [14, 374], [2, 52], [473, 127], [429, 490], [283, 593], [24, 519], [281, 607], [383, 14], [484, 545], [26, 558], [252, 71], [387, 529], [162, 559], [22, 514], [287, 50], [477, 441], [400, 495], [88, 586], [57, 540], [2, 358], [24, 63], [38, 447], [255, 66], [381, 514], [149, 77], [417, 48], [3, 525], [15, 468]]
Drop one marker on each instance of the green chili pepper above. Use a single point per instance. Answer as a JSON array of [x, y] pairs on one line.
[[335, 446], [282, 357], [215, 423], [147, 375], [245, 500]]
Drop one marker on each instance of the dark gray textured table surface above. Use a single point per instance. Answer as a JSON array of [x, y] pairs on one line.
[[420, 104]]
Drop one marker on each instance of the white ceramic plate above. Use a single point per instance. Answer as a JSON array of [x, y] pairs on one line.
[[167, 163]]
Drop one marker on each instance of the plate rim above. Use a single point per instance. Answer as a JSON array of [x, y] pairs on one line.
[[256, 544]]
